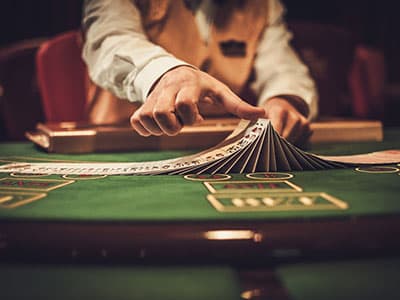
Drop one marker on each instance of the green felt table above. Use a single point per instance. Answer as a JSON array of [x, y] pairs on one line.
[[165, 219], [172, 209], [172, 198]]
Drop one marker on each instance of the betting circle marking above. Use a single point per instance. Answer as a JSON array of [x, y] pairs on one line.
[[83, 176], [269, 176], [26, 175], [377, 169], [207, 177]]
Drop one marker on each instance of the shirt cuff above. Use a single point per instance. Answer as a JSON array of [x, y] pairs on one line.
[[139, 87]]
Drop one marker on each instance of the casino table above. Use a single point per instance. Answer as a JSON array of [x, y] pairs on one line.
[[123, 224], [132, 216]]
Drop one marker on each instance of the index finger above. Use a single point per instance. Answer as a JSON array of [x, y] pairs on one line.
[[238, 107]]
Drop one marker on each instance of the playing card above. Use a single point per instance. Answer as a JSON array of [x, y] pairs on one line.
[[251, 147]]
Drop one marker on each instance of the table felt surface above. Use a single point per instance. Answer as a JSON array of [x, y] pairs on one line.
[[173, 198], [41, 281], [377, 278]]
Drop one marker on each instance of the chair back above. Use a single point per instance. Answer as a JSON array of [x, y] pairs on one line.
[[20, 104], [349, 76], [62, 78]]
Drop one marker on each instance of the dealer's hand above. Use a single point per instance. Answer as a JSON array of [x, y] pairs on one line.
[[174, 101], [287, 120]]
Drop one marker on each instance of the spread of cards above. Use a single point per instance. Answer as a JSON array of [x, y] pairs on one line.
[[253, 146]]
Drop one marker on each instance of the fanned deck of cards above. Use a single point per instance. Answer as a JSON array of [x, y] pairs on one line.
[[251, 147]]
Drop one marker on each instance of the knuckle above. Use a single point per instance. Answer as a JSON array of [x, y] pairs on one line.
[[305, 123], [161, 114], [146, 115], [134, 119], [168, 83], [185, 102], [295, 117], [186, 105], [279, 112], [218, 90]]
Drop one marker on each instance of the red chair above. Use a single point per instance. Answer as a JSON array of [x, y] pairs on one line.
[[350, 77], [62, 78], [20, 104], [367, 81]]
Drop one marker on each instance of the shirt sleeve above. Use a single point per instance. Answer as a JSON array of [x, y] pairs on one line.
[[278, 69], [117, 52]]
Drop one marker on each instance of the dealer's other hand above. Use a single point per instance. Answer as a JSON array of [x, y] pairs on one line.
[[287, 120], [175, 98]]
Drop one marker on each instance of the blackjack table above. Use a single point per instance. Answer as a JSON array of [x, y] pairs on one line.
[[327, 234]]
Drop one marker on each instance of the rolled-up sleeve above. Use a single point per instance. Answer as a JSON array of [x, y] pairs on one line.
[[117, 52], [278, 69]]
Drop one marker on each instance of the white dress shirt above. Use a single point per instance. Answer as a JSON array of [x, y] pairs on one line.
[[121, 59]]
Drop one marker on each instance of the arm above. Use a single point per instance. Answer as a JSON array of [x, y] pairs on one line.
[[283, 83], [121, 59], [117, 52]]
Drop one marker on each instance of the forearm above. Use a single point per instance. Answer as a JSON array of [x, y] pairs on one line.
[[117, 52]]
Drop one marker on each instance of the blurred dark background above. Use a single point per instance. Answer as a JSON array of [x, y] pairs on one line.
[[372, 23]]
